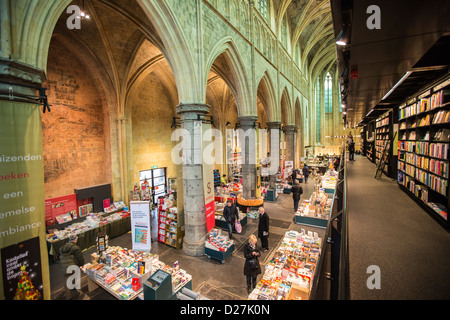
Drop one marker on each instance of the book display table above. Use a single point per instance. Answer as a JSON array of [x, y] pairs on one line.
[[218, 246]]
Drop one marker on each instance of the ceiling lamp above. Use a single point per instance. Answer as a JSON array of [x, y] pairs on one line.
[[83, 14], [341, 39]]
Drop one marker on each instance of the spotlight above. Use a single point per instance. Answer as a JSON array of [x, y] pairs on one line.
[[341, 39]]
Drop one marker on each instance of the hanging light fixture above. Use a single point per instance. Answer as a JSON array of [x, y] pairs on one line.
[[340, 39], [83, 14]]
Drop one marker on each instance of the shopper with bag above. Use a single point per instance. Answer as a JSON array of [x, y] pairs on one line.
[[297, 191], [263, 229], [231, 215], [252, 267]]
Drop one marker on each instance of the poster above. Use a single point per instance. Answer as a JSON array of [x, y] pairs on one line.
[[21, 269], [22, 208], [140, 225], [59, 206]]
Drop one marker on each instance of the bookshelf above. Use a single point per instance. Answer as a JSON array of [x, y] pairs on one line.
[[384, 132], [170, 224], [370, 141], [362, 141], [423, 150], [216, 178]]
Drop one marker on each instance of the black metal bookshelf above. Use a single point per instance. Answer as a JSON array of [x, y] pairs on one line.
[[423, 150]]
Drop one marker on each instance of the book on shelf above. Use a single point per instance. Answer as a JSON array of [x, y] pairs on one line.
[[442, 135]]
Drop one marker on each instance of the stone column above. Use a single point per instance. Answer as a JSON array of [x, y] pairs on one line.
[[193, 190], [274, 147], [248, 144], [290, 142]]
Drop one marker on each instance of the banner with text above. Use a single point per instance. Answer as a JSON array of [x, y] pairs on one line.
[[140, 225], [208, 178], [22, 205]]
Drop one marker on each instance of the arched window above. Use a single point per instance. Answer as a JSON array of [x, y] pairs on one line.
[[328, 93], [263, 8], [284, 32], [318, 137]]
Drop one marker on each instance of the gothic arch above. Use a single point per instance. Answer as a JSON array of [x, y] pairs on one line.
[[266, 93], [178, 53], [238, 78], [286, 109]]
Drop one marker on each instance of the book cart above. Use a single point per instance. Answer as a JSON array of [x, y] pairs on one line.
[[218, 246], [423, 150]]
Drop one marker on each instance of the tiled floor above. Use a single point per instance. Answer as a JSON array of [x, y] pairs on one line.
[[212, 278]]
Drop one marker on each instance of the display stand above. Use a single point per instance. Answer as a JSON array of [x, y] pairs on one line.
[[328, 181], [94, 285], [159, 287], [271, 195], [218, 245], [219, 255], [170, 224]]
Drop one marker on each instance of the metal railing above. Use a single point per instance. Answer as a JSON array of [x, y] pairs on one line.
[[332, 274]]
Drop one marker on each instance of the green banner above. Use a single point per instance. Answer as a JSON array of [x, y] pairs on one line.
[[22, 198]]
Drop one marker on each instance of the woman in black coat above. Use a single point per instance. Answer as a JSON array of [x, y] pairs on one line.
[[252, 267]]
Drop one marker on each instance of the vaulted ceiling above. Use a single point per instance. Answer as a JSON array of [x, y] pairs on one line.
[[311, 28]]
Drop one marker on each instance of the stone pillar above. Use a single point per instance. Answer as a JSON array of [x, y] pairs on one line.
[[248, 144], [193, 190], [290, 142], [274, 147]]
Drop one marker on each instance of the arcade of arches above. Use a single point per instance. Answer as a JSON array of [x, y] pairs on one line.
[[116, 84]]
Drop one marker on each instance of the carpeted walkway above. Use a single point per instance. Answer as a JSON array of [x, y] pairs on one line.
[[388, 229]]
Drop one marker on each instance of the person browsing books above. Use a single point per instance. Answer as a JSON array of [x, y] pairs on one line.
[[230, 213], [297, 191], [252, 267]]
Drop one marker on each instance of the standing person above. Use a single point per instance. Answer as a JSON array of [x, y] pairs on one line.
[[297, 191], [252, 267], [305, 172], [294, 175], [70, 255], [263, 229], [230, 213], [336, 163], [351, 148]]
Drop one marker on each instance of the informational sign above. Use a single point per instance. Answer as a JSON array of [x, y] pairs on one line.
[[140, 225], [22, 205], [21, 269], [106, 203], [288, 168], [55, 207]]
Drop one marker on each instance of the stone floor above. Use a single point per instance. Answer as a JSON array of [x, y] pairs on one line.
[[212, 278]]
